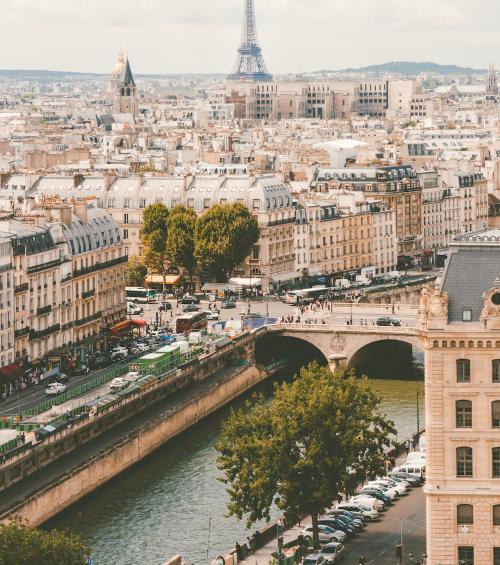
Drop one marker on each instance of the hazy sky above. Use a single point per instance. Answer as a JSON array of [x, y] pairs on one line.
[[163, 36]]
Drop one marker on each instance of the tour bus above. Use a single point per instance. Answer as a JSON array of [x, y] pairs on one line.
[[138, 294], [191, 321]]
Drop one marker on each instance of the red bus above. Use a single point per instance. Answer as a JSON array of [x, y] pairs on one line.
[[190, 322]]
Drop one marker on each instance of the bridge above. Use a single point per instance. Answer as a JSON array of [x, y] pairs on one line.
[[344, 346]]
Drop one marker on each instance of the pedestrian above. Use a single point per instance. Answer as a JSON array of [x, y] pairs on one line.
[[248, 545], [407, 446], [237, 548], [411, 444]]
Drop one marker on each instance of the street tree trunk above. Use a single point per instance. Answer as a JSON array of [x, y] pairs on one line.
[[314, 517]]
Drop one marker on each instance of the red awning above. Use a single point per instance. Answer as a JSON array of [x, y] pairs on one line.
[[126, 325], [11, 372]]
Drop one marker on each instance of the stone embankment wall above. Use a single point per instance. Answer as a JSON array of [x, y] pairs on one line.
[[83, 479]]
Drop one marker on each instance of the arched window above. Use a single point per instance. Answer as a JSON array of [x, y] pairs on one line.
[[495, 414], [495, 370], [463, 370], [463, 413], [495, 462], [465, 514], [496, 515], [464, 461]]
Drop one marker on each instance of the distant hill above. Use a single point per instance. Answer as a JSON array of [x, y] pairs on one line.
[[411, 68]]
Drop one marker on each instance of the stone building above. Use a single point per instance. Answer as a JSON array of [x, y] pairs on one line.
[[460, 325]]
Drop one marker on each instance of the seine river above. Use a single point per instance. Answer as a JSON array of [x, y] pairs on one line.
[[162, 506]]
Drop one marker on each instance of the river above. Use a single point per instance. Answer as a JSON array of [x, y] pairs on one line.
[[162, 506]]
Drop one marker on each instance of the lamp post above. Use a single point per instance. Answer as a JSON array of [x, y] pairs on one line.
[[418, 413], [279, 532]]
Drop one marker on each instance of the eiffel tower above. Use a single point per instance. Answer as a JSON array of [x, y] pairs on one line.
[[249, 61]]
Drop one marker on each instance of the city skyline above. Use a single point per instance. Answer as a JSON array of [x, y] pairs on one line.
[[68, 36]]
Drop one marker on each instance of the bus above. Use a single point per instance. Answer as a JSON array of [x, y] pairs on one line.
[[138, 294], [191, 321], [304, 294]]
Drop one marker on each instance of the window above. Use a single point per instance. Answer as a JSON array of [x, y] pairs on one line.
[[464, 461], [125, 234], [465, 514], [463, 411], [142, 203], [126, 202], [463, 370], [467, 315], [495, 461], [495, 370], [496, 517], [125, 218], [466, 555], [495, 414]]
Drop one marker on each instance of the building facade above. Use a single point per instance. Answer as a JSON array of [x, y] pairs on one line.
[[460, 324]]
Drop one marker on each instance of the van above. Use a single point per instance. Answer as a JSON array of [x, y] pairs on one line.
[[414, 468]]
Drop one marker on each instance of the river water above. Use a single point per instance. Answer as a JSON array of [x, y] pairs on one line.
[[162, 506]]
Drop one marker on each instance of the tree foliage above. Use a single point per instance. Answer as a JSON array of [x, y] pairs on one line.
[[136, 272], [180, 241], [320, 436], [154, 234], [21, 545], [224, 237]]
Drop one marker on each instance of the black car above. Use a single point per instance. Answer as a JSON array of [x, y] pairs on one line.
[[101, 361], [386, 321], [164, 306], [228, 304], [189, 300], [338, 525], [376, 493]]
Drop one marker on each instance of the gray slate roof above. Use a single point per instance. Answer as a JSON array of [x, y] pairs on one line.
[[471, 270]]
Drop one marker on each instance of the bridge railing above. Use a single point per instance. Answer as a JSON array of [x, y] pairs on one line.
[[349, 329]]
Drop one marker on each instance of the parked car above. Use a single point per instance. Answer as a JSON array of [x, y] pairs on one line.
[[53, 389], [356, 520], [190, 308], [118, 384], [368, 513], [388, 491], [337, 524], [377, 493], [325, 533], [414, 481], [314, 559], [101, 361], [386, 321], [119, 353], [333, 552], [356, 525], [228, 304], [369, 501]]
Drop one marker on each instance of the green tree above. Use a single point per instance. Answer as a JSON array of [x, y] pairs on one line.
[[154, 234], [224, 237], [21, 545], [319, 437], [136, 272], [180, 242]]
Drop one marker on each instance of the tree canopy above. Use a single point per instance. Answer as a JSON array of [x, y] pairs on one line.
[[320, 436], [154, 234], [224, 237], [180, 241], [136, 272], [21, 545]]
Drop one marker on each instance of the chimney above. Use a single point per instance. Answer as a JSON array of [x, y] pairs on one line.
[[80, 210], [77, 180]]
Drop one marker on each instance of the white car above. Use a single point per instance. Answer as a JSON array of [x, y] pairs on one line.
[[134, 309], [387, 483], [55, 388], [368, 512], [143, 347], [369, 501], [211, 315], [132, 376], [325, 534], [118, 384], [390, 492]]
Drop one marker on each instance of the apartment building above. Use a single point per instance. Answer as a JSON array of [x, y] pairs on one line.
[[7, 350], [460, 323]]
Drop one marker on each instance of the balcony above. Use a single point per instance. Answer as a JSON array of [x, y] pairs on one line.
[[21, 288], [88, 319], [67, 326], [100, 266], [46, 332], [88, 294], [44, 266], [44, 310], [22, 332]]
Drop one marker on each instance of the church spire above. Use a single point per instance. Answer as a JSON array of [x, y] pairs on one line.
[[128, 78]]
